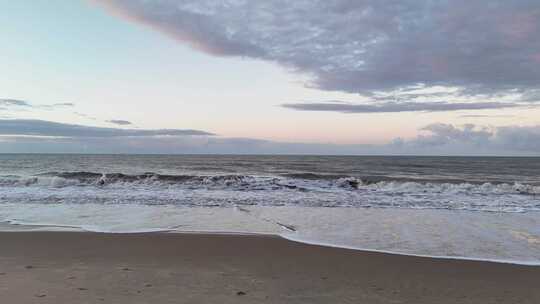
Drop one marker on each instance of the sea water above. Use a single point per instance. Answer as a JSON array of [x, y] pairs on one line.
[[463, 207]]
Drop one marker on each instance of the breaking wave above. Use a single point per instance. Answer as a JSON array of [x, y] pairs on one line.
[[299, 181], [310, 190]]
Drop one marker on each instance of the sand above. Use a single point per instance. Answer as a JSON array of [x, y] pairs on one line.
[[79, 267]]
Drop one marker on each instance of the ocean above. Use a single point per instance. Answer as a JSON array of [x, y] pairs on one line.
[[455, 207]]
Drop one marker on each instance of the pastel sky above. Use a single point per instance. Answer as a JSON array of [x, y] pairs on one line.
[[238, 76]]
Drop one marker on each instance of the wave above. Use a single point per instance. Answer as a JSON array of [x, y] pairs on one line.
[[313, 176], [303, 182]]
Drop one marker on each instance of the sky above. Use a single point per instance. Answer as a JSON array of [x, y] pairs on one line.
[[235, 76]]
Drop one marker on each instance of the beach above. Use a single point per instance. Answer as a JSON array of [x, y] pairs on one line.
[[268, 229], [287, 152], [83, 267]]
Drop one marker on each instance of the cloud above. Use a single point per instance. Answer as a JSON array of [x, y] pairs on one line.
[[64, 104], [119, 122], [368, 46], [28, 127], [85, 116], [486, 116], [391, 107], [442, 134], [472, 139], [519, 138], [14, 102], [7, 102], [54, 106], [435, 139]]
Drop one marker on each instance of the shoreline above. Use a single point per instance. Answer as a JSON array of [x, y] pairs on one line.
[[86, 267], [436, 257]]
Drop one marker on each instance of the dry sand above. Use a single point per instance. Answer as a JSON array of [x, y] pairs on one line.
[[71, 267]]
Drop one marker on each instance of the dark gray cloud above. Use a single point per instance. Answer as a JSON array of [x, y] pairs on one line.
[[483, 47], [120, 122], [390, 107], [28, 127]]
